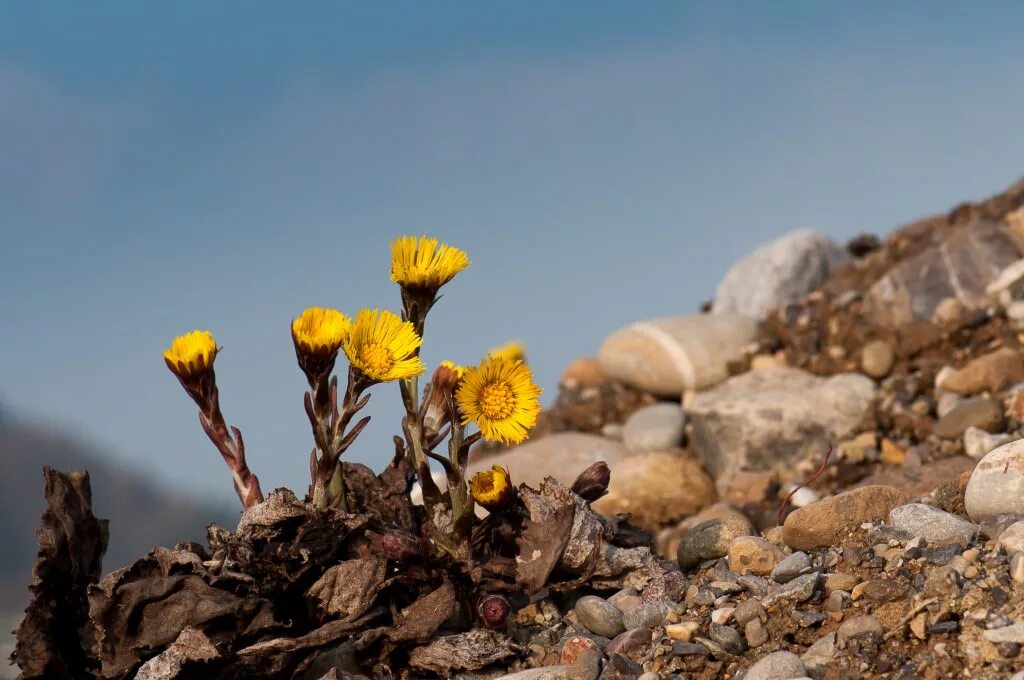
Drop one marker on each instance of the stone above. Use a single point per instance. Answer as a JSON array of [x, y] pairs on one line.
[[879, 590], [877, 358], [1012, 633], [1008, 285], [777, 666], [657, 427], [670, 355], [960, 266], [1012, 538], [753, 555], [794, 565], [996, 486], [860, 626], [557, 672], [950, 313], [798, 590], [722, 615], [985, 414], [820, 654], [649, 615], [668, 540], [727, 637], [583, 372], [1017, 567], [575, 647], [778, 273], [840, 581], [711, 539], [755, 633], [619, 667], [689, 649], [830, 520], [748, 610], [990, 372], [657, 488], [893, 453], [772, 419], [598, 616], [629, 641], [563, 455], [620, 596], [684, 630], [933, 525], [977, 442]]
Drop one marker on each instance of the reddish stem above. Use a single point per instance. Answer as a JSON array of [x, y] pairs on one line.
[[809, 480]]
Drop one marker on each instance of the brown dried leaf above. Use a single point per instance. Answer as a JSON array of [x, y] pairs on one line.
[[423, 617], [348, 589], [71, 546], [465, 651], [178, 661], [546, 532]]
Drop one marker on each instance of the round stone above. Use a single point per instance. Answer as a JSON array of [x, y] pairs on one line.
[[777, 666], [996, 486], [711, 539], [598, 616], [658, 427], [877, 358], [753, 555]]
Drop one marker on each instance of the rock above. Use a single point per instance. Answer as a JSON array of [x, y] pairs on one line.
[[657, 488], [630, 641], [977, 442], [727, 637], [684, 630], [583, 372], [1017, 567], [798, 590], [669, 355], [990, 372], [950, 313], [575, 647], [620, 667], [821, 653], [755, 633], [986, 414], [689, 649], [1012, 538], [753, 555], [773, 418], [893, 453], [961, 266], [748, 610], [649, 615], [777, 666], [996, 486], [1014, 633], [797, 564], [711, 539], [933, 525], [830, 520], [658, 427], [777, 274], [599, 616], [879, 590], [877, 358], [563, 455], [860, 626], [1008, 285], [840, 581]]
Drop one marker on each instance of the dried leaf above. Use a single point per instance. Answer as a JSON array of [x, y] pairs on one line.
[[348, 589], [178, 661], [465, 651], [546, 532], [71, 546], [423, 617]]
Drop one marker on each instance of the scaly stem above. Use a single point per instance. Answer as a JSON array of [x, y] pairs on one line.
[[231, 446], [329, 432]]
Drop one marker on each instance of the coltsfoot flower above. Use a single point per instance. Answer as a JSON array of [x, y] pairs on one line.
[[383, 347], [191, 354], [423, 264], [491, 488], [511, 350], [319, 331], [501, 398]]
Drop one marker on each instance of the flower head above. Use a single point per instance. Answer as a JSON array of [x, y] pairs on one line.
[[320, 331], [443, 384], [383, 347], [501, 397], [423, 264], [491, 488], [458, 369], [511, 350], [191, 354]]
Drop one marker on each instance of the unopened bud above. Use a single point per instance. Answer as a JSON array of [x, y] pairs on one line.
[[593, 482], [491, 488], [442, 386], [400, 546], [493, 610]]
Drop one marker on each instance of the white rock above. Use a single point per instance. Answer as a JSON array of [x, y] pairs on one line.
[[1012, 538], [978, 442], [658, 427], [1008, 285], [778, 273], [563, 455], [996, 486], [932, 524], [777, 666]]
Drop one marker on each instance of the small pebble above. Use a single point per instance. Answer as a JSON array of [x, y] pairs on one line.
[[689, 649], [748, 610], [598, 616], [777, 666], [860, 626], [629, 641], [755, 633], [788, 569], [1017, 567], [798, 590], [647, 615], [728, 637], [722, 615], [684, 630]]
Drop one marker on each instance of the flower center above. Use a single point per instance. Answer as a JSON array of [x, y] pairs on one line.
[[497, 401], [376, 359]]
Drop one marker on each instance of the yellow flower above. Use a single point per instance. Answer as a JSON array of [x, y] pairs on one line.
[[319, 331], [422, 263], [458, 369], [191, 354], [491, 488], [383, 346], [501, 397], [511, 350]]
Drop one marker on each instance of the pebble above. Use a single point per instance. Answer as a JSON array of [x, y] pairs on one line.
[[689, 649], [657, 488], [658, 427], [935, 526], [755, 633], [990, 372], [647, 615], [1012, 538], [830, 520], [753, 555], [629, 641], [1014, 633], [575, 647], [628, 591], [836, 600], [996, 486], [880, 590], [840, 581], [684, 630], [628, 603], [619, 667], [860, 626], [788, 569], [977, 442], [728, 637], [821, 653], [722, 614], [1017, 567], [599, 616], [649, 676], [560, 672], [711, 539], [877, 358], [798, 590], [985, 414], [777, 666], [748, 610]]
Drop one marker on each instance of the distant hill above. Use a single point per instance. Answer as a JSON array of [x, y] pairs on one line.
[[141, 513]]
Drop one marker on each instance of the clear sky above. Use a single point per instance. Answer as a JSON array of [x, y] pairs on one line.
[[165, 166]]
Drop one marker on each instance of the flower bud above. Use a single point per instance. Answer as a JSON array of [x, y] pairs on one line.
[[593, 482], [491, 488], [401, 546], [442, 386], [493, 610]]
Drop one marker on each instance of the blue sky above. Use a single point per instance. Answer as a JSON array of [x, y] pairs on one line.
[[168, 166]]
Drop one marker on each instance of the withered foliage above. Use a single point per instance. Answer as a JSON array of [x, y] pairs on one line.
[[296, 592]]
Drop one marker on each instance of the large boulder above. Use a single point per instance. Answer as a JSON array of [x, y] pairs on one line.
[[778, 273], [773, 418], [658, 488], [961, 267], [669, 355], [996, 486]]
